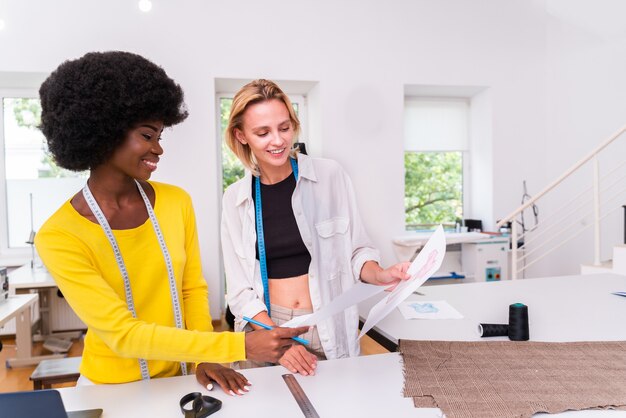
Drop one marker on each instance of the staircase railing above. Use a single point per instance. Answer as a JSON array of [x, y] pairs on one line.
[[518, 245], [624, 206]]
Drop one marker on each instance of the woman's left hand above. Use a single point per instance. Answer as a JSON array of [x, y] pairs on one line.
[[372, 273], [392, 276], [229, 380]]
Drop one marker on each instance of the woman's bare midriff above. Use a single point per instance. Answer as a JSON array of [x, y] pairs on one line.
[[291, 293]]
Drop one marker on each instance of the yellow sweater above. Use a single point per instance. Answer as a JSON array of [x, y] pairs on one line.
[[78, 255]]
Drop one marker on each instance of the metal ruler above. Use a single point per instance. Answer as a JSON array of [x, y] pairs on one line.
[[300, 396]]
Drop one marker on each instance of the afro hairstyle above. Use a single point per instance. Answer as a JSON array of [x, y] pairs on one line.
[[91, 103]]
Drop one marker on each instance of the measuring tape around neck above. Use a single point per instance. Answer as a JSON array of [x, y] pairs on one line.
[[95, 209], [260, 234]]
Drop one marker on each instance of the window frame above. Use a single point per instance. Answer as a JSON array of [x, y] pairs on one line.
[[465, 154], [8, 255]]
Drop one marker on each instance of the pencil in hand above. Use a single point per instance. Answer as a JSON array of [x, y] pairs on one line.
[[268, 327]]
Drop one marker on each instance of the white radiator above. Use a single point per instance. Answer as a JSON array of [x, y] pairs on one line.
[[62, 316]]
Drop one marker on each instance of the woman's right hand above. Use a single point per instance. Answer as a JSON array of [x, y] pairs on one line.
[[298, 360], [270, 345]]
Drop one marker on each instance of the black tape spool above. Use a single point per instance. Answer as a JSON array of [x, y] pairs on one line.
[[517, 328]]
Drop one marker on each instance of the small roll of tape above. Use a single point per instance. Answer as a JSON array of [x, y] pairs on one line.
[[493, 330]]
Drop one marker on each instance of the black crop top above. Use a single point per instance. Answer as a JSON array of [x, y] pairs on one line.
[[286, 254]]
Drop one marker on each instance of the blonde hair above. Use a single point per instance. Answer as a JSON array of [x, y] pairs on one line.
[[256, 91]]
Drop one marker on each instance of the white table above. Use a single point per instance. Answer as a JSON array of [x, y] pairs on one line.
[[371, 386], [19, 307], [38, 279], [26, 277], [368, 386], [560, 309]]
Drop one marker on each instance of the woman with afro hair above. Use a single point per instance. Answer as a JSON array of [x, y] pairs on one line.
[[124, 251]]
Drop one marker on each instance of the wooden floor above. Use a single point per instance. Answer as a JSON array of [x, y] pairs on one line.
[[16, 379]]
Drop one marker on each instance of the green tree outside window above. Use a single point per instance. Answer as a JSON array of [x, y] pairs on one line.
[[433, 189]]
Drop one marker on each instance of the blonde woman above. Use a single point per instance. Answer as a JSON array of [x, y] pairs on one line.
[[292, 236]]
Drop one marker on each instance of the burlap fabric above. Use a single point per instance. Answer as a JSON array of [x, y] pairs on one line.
[[514, 379]]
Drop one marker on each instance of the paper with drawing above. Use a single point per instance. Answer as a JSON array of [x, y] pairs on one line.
[[354, 295], [425, 264], [420, 309]]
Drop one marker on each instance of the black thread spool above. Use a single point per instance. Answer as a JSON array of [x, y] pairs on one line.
[[493, 330], [518, 322], [516, 329]]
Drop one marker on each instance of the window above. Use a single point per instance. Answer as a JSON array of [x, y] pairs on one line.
[[232, 169], [32, 185], [436, 148]]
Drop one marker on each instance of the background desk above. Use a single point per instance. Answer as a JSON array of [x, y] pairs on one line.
[[54, 312], [476, 256], [19, 307], [560, 309], [406, 246]]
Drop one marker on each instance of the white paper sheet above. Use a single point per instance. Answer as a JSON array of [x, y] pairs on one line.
[[420, 309], [425, 265], [356, 294]]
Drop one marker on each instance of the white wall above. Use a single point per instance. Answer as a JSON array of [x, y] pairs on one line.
[[586, 63], [361, 53]]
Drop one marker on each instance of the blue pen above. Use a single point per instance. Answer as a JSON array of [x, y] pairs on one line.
[[262, 325]]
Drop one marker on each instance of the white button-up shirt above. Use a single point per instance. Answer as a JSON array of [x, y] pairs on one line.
[[326, 214]]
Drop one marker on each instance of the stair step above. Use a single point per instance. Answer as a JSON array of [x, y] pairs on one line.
[[604, 267], [619, 259]]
